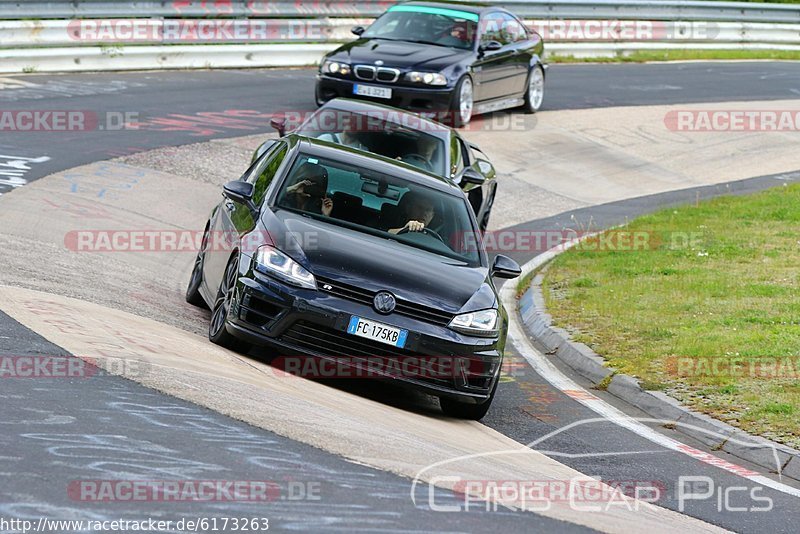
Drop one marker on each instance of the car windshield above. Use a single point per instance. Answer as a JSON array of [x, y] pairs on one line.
[[438, 26], [380, 134], [382, 205]]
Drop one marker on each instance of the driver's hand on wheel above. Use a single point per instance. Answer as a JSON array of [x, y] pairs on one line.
[[414, 226], [411, 226]]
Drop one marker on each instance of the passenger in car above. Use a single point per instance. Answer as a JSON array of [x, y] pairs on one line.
[[345, 138], [309, 190]]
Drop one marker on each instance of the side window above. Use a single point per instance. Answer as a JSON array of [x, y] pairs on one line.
[[265, 171], [466, 154], [492, 28], [456, 156], [513, 29]]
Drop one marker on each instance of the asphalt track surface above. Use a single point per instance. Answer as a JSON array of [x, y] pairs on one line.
[[112, 428], [182, 107]]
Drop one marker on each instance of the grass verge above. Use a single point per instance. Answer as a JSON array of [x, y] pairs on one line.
[[681, 55], [707, 307]]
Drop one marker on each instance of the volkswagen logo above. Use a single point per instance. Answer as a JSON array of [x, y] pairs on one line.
[[384, 302], [379, 62]]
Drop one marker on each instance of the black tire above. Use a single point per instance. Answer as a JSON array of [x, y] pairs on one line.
[[318, 98], [217, 332], [533, 98], [193, 295], [462, 410], [458, 117]]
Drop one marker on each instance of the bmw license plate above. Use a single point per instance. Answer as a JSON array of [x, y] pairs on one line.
[[369, 90], [377, 331]]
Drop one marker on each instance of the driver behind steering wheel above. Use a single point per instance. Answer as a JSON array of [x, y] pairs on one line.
[[418, 210], [423, 157]]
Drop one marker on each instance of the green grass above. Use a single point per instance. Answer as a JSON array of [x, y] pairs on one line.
[[681, 55], [717, 283], [524, 283]]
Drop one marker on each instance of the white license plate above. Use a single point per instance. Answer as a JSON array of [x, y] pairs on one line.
[[377, 331], [369, 90]]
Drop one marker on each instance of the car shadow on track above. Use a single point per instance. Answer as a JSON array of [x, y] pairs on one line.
[[378, 390]]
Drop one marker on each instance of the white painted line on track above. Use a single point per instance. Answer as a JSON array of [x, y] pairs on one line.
[[548, 371]]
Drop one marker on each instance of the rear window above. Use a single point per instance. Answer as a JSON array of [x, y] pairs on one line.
[[380, 134]]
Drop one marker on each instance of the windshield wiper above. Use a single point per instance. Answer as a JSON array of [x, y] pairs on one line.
[[426, 42]]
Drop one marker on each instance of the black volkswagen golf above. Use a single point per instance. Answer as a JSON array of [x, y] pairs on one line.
[[325, 252], [451, 59]]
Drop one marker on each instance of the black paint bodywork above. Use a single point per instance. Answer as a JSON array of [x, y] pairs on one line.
[[268, 312], [500, 77]]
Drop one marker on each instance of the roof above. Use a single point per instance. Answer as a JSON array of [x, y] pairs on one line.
[[469, 7], [403, 118]]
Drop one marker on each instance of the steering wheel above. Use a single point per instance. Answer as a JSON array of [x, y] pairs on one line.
[[428, 231], [417, 161]]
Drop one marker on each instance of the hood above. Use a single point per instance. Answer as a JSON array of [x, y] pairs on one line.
[[400, 54], [374, 263]]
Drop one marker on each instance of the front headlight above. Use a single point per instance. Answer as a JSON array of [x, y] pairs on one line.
[[272, 261], [428, 78], [335, 67], [479, 323]]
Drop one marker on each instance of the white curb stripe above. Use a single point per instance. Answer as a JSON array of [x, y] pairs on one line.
[[560, 381]]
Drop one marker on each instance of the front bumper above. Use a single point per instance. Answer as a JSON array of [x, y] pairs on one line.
[[418, 99], [302, 322]]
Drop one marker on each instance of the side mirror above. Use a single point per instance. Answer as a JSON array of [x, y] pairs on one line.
[[486, 168], [241, 192], [279, 123], [505, 267], [471, 176], [358, 30], [491, 46]]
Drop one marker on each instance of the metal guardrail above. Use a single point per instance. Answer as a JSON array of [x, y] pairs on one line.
[[539, 9], [201, 56], [58, 36], [157, 31]]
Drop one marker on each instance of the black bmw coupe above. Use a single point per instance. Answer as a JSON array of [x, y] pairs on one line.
[[451, 59], [328, 252]]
